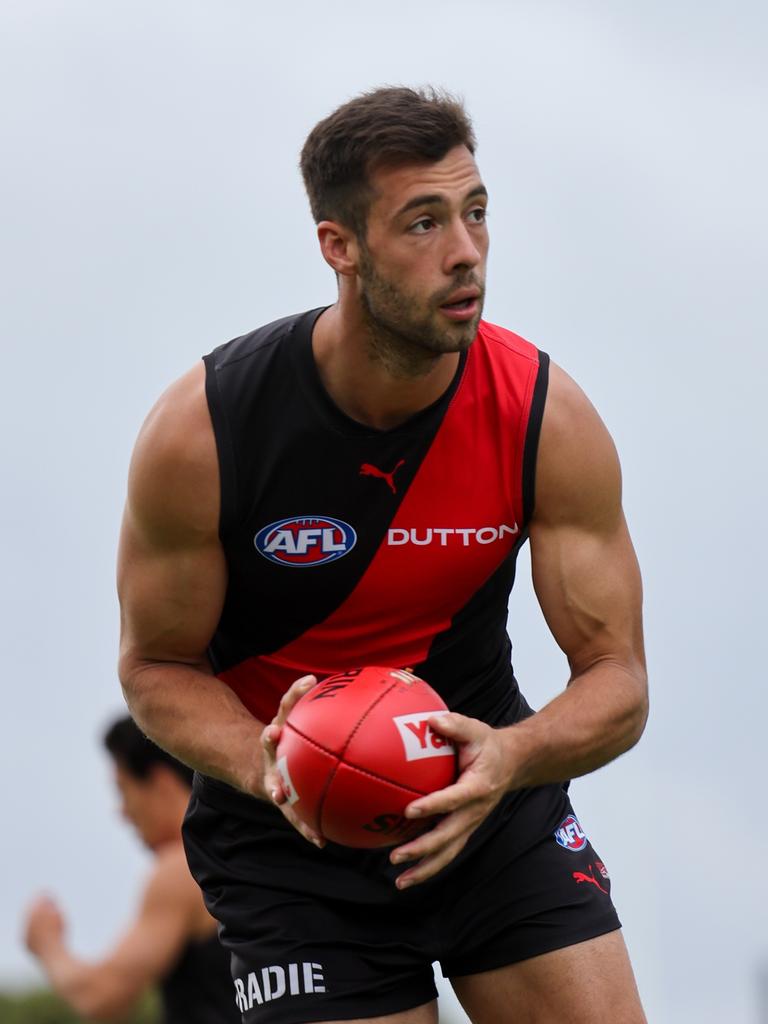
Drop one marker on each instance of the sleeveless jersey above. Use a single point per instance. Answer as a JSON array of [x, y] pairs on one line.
[[350, 546], [198, 988]]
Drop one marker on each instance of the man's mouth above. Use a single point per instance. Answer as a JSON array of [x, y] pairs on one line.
[[462, 305]]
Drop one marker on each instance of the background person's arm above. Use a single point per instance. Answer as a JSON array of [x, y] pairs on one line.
[[588, 585], [106, 989]]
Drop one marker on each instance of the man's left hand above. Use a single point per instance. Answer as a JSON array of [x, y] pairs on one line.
[[484, 778]]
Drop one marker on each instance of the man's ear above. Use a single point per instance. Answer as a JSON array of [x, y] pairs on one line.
[[161, 774], [339, 246]]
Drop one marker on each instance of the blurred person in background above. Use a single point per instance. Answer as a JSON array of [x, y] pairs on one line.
[[172, 942]]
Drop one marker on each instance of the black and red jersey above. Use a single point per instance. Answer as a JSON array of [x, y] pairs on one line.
[[198, 987], [350, 546]]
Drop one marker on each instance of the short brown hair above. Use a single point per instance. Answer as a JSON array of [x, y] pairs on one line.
[[381, 128], [137, 754]]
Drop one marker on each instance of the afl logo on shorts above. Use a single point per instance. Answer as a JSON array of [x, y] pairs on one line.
[[570, 834], [305, 541]]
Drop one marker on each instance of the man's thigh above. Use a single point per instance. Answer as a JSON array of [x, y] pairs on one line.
[[587, 983]]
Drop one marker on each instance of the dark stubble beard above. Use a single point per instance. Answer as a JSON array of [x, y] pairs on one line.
[[402, 334]]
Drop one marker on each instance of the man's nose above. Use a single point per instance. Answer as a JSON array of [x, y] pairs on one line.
[[463, 250]]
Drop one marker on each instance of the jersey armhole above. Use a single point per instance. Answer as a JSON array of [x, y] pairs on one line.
[[532, 433], [224, 448]]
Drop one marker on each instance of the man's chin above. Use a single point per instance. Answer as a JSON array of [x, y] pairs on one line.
[[457, 337]]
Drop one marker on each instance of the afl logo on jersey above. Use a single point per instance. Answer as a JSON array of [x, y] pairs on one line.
[[305, 541], [570, 834]]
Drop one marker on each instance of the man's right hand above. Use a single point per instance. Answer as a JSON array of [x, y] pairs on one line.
[[44, 926], [270, 737]]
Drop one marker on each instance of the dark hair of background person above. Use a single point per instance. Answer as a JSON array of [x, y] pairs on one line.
[[385, 127], [137, 754]]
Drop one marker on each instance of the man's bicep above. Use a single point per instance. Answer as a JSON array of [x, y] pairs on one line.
[[171, 567], [171, 597], [588, 586], [151, 945], [585, 571]]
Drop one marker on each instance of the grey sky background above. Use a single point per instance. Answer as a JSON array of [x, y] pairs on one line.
[[151, 209]]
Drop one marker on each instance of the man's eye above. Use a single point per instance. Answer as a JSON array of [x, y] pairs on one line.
[[420, 227], [478, 215]]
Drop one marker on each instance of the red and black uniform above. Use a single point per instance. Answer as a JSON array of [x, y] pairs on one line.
[[197, 989], [349, 546]]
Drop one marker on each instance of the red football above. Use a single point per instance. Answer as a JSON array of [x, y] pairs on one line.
[[356, 750]]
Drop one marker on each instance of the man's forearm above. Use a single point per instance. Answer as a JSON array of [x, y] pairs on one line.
[[91, 991], [198, 719], [599, 716]]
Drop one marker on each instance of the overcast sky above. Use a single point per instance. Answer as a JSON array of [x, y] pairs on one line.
[[151, 209]]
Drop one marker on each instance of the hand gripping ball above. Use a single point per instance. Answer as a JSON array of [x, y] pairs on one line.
[[356, 750]]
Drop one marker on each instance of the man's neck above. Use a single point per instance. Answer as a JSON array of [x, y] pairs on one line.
[[366, 388]]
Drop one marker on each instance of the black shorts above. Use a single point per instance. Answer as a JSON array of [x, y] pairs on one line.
[[325, 935]]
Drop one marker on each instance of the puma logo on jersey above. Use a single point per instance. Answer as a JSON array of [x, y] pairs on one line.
[[580, 877], [442, 536], [368, 470]]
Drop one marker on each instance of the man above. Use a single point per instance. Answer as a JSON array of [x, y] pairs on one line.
[[172, 942], [350, 486]]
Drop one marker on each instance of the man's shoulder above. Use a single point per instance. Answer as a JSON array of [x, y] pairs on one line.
[[505, 341], [169, 878], [262, 339]]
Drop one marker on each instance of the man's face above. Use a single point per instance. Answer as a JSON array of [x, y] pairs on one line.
[[422, 265], [140, 805]]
